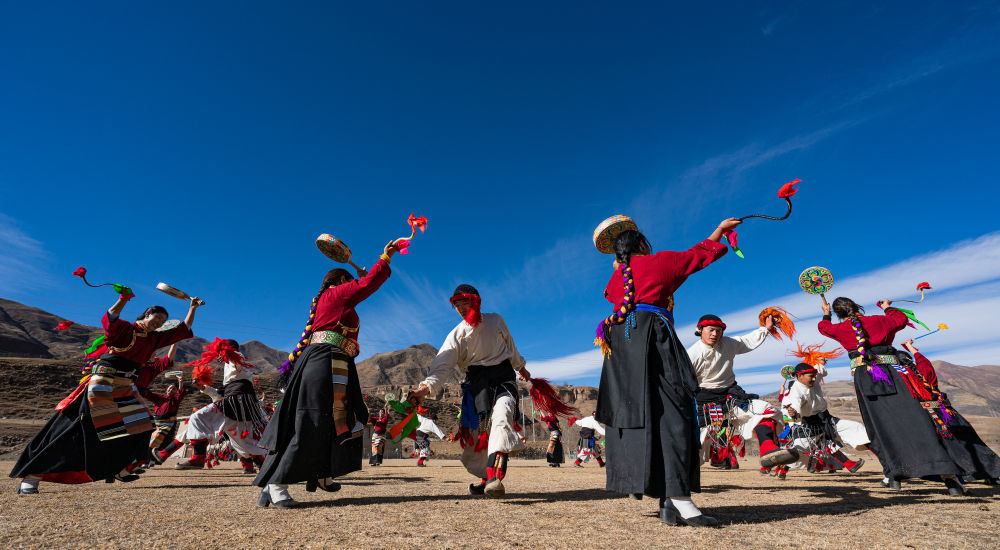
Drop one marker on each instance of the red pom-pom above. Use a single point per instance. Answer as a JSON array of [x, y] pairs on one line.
[[80, 272], [924, 286], [63, 325], [787, 191]]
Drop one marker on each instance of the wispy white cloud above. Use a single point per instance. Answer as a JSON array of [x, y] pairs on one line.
[[21, 269], [965, 296]]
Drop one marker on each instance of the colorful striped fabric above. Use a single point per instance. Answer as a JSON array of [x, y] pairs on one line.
[[115, 408], [338, 373]]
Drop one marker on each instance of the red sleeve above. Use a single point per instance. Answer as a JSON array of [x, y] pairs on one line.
[[926, 369], [113, 329], [697, 257], [172, 336], [156, 398], [897, 319], [359, 289], [826, 329]]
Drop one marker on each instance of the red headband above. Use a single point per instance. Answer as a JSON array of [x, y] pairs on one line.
[[473, 316], [712, 323]]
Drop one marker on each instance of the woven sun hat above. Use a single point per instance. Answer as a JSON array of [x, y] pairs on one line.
[[333, 248], [608, 231]]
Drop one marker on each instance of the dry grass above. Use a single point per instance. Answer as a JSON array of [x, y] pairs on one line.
[[387, 507]]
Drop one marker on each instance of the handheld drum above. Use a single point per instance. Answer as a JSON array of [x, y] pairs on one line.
[[335, 249], [176, 293], [816, 280]]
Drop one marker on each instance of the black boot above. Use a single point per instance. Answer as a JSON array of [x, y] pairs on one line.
[[670, 516]]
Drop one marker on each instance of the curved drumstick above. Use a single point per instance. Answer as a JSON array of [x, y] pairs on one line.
[[786, 192]]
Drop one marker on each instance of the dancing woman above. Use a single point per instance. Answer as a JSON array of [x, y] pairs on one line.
[[103, 427], [315, 433], [905, 436], [648, 385]]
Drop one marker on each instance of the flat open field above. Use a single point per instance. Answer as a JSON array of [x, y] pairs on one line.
[[388, 506]]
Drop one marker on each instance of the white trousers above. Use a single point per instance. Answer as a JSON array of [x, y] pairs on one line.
[[850, 432], [503, 438], [208, 423]]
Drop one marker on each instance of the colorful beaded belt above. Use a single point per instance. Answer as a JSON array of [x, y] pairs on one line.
[[879, 359], [347, 345], [113, 371]]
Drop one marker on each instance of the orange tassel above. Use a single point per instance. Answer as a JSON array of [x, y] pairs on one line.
[[783, 323], [811, 355]]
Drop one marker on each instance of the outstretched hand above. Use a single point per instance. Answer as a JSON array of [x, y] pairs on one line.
[[523, 374], [826, 308]]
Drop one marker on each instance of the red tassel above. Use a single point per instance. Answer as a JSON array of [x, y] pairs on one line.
[[572, 420], [483, 442], [517, 427], [244, 434], [545, 398], [203, 374], [464, 437]]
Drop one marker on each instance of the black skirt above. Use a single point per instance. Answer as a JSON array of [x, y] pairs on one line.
[[903, 436], [67, 449], [966, 448], [301, 437], [647, 401]]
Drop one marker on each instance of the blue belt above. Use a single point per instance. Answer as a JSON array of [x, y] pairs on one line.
[[656, 309]]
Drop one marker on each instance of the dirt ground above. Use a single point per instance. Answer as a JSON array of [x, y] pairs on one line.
[[399, 505]]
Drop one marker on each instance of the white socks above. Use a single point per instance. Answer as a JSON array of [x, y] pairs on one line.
[[278, 492], [685, 507]]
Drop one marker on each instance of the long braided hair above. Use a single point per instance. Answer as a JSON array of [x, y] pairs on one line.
[[849, 310], [332, 278], [627, 243]]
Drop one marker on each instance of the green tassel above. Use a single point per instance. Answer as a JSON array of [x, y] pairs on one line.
[[913, 318]]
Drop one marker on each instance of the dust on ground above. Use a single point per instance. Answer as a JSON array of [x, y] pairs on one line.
[[400, 505]]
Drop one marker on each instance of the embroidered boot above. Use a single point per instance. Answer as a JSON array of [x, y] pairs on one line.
[[496, 472]]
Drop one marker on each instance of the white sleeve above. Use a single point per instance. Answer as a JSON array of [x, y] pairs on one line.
[[820, 372], [516, 360], [795, 398], [693, 352], [444, 363], [750, 341], [437, 431], [211, 392]]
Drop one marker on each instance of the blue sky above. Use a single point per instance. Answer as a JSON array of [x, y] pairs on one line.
[[207, 147]]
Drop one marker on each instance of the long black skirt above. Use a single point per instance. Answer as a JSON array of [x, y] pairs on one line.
[[556, 455], [67, 449], [301, 437], [902, 434], [647, 401], [967, 449]]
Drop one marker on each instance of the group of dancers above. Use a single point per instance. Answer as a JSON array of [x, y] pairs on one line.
[[662, 409]]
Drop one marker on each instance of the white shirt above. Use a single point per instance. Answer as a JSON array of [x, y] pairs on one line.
[[590, 422], [231, 372], [713, 365], [429, 427], [488, 344], [805, 400]]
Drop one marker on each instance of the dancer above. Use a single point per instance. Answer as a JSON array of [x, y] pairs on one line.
[[482, 349], [806, 402], [238, 413], [554, 453], [315, 433], [100, 429], [742, 415], [165, 407], [161, 455], [422, 443], [648, 385], [906, 437], [588, 447], [965, 446], [379, 424]]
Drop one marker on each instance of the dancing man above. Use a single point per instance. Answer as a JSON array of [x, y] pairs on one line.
[[482, 349], [315, 433], [422, 443], [805, 402], [238, 413], [102, 428], [588, 444], [742, 414]]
